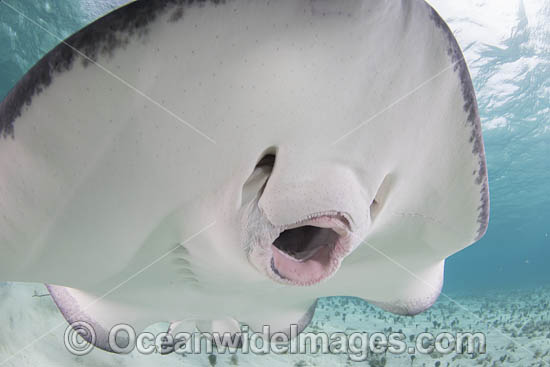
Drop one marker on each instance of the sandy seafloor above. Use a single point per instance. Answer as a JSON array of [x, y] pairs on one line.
[[516, 324]]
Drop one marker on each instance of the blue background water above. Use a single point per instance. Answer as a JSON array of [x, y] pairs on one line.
[[507, 46]]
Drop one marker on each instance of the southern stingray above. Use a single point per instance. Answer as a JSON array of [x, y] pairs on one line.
[[212, 163]]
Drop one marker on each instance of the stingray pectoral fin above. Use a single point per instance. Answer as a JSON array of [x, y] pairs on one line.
[[182, 326], [222, 332], [181, 332], [413, 288], [227, 325], [283, 321], [97, 317]]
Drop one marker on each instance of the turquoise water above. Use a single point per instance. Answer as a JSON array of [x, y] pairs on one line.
[[507, 47]]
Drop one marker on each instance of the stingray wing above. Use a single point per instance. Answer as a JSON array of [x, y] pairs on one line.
[[91, 161], [96, 157]]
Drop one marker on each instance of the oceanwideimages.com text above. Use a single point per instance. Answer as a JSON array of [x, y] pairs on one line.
[[80, 338]]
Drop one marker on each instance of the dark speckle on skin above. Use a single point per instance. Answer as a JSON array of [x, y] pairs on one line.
[[102, 37], [176, 14], [471, 108]]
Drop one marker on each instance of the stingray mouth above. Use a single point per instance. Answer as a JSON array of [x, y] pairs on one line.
[[310, 251]]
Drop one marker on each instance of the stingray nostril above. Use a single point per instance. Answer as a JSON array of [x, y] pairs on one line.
[[374, 208], [267, 160], [255, 184], [381, 197]]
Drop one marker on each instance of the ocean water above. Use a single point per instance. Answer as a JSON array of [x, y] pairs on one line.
[[500, 285]]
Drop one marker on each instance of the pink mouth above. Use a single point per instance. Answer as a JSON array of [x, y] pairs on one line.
[[310, 251]]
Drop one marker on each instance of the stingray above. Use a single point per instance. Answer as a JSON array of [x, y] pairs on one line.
[[211, 164]]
